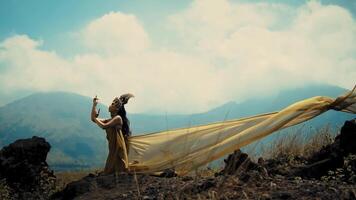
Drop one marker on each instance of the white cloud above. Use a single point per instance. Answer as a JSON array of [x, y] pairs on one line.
[[160, 80], [232, 52], [27, 67], [271, 46], [115, 32]]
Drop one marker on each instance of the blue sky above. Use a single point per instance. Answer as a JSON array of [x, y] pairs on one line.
[[51, 21], [208, 52]]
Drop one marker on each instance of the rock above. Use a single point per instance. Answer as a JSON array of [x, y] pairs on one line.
[[187, 178], [206, 184], [347, 137], [92, 183], [147, 197], [239, 162], [234, 161], [348, 194], [273, 185], [261, 161], [244, 177], [168, 173], [265, 196], [281, 195], [332, 156], [23, 165], [320, 168], [74, 189]]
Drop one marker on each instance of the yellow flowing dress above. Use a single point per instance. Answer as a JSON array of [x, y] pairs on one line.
[[117, 160]]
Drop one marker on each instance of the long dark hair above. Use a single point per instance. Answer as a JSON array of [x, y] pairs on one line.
[[125, 122], [122, 113]]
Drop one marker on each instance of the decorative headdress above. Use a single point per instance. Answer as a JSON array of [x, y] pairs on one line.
[[123, 99]]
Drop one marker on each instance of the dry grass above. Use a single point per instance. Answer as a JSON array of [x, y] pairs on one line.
[[205, 172], [323, 137], [298, 143], [4, 190]]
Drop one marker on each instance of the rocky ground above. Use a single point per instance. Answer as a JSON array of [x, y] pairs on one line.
[[251, 185], [330, 173]]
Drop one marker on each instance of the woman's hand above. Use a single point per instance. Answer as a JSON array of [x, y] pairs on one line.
[[94, 114], [95, 100]]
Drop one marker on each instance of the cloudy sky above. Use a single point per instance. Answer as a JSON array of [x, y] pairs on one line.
[[175, 56]]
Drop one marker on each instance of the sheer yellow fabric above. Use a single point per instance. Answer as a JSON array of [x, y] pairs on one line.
[[188, 148]]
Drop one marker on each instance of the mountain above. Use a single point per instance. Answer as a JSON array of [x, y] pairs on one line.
[[64, 120]]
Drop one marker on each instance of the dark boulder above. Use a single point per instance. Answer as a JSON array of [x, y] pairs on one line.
[[238, 163], [332, 156], [23, 166], [347, 137]]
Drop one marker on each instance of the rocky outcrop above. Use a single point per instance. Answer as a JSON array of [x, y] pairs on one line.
[[238, 163], [24, 169], [338, 155], [332, 156]]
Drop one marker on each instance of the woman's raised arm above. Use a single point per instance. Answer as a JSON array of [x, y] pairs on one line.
[[94, 114], [103, 123]]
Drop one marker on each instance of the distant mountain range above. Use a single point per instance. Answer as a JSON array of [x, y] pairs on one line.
[[64, 120]]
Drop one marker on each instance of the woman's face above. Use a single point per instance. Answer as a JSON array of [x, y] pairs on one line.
[[114, 106]]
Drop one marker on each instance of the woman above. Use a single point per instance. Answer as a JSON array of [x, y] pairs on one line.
[[117, 131]]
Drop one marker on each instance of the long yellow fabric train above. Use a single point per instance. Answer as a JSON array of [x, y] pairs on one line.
[[186, 149]]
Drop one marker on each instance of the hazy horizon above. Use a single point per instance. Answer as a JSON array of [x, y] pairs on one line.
[[326, 90]]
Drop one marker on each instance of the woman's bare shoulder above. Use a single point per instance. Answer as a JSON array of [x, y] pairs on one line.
[[117, 118]]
